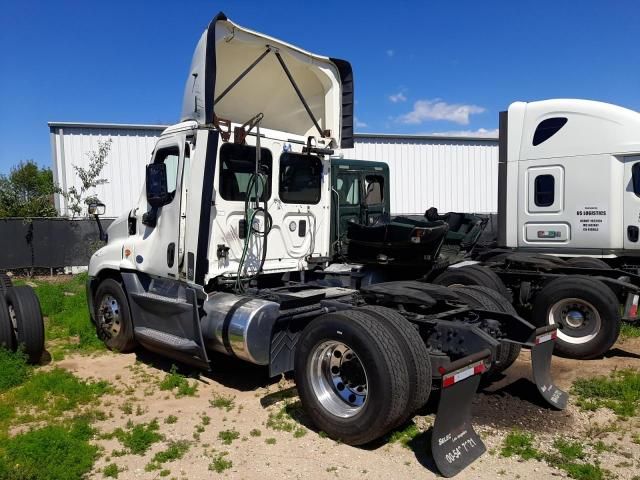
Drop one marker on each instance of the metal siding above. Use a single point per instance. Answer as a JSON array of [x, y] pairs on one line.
[[130, 151], [448, 173]]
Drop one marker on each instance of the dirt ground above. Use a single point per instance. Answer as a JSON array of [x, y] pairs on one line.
[[307, 453]]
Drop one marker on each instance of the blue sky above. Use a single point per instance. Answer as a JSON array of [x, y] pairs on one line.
[[420, 67]]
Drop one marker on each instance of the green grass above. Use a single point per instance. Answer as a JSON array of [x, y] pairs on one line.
[[171, 419], [138, 438], [111, 471], [270, 441], [223, 402], [64, 303], [50, 453], [228, 436], [629, 330], [568, 455], [619, 392], [255, 432], [175, 381], [520, 444], [405, 436], [174, 451], [284, 419], [219, 463], [47, 395], [14, 368]]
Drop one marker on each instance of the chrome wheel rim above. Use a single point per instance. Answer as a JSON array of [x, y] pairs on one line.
[[579, 319], [109, 318], [338, 379]]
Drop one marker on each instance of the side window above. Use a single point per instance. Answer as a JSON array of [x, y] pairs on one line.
[[544, 192], [547, 129], [237, 166], [374, 188], [348, 187], [170, 157], [300, 178], [635, 178]]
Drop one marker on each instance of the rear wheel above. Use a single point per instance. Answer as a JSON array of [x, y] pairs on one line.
[[415, 353], [473, 275], [351, 376], [7, 331], [26, 318], [488, 299], [586, 312], [113, 319], [588, 262]]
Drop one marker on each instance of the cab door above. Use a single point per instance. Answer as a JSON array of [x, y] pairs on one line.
[[631, 203], [156, 234]]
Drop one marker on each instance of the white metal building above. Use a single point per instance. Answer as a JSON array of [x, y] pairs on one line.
[[450, 173]]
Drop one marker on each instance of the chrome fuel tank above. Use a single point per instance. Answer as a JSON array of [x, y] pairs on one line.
[[239, 326]]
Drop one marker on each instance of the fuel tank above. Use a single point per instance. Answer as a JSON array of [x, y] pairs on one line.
[[239, 326]]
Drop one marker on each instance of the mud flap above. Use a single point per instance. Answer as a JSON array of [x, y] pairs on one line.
[[542, 345], [454, 443]]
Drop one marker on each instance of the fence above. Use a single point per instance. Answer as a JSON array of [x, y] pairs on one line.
[[47, 242]]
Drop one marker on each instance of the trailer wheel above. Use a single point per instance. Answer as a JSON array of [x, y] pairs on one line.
[[26, 318], [588, 262], [113, 319], [486, 298], [5, 282], [586, 312], [7, 331], [416, 356], [351, 376], [473, 275]]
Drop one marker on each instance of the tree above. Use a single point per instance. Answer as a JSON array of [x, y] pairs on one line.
[[89, 178], [27, 191]]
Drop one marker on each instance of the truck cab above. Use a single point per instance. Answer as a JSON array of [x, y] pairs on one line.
[[569, 178]]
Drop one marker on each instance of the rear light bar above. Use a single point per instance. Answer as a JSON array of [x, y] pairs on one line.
[[546, 337], [456, 376]]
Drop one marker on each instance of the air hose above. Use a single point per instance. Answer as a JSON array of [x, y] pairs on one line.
[[256, 188]]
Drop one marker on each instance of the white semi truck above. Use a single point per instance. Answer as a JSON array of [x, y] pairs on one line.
[[226, 251], [568, 247]]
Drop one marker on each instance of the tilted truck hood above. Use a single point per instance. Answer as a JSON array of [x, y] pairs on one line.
[[226, 50]]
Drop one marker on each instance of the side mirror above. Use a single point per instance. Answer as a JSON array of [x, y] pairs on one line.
[[96, 208], [635, 178], [157, 194]]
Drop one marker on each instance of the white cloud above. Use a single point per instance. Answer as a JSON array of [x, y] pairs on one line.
[[397, 97], [359, 124], [390, 53], [481, 132], [439, 110]]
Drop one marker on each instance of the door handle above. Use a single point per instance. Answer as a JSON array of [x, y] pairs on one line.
[[632, 233]]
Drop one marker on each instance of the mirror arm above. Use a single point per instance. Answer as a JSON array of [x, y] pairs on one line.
[[103, 235]]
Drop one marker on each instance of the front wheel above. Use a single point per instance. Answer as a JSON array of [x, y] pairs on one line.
[[113, 319], [586, 312], [351, 376]]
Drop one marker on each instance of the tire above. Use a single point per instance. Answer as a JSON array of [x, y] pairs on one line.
[[7, 333], [588, 262], [371, 345], [5, 282], [113, 318], [24, 307], [587, 300], [415, 353], [473, 275], [488, 299]]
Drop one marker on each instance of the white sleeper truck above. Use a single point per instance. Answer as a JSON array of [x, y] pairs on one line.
[[226, 249], [568, 220]]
